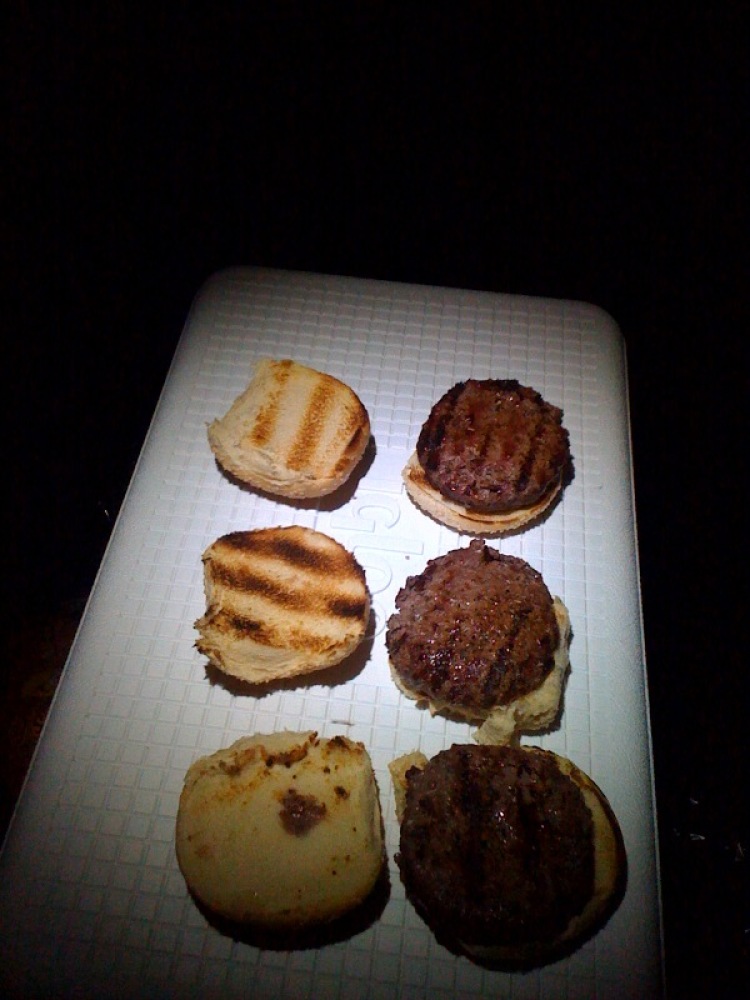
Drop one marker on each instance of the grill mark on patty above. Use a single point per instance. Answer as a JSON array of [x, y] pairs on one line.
[[475, 818], [440, 648], [493, 445], [484, 447], [496, 845], [533, 443], [505, 656], [434, 435]]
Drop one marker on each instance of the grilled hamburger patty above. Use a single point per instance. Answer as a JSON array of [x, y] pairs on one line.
[[475, 630], [493, 445], [497, 845]]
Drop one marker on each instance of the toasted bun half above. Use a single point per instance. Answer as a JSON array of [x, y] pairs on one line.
[[512, 855], [452, 514], [281, 831], [280, 602], [294, 432]]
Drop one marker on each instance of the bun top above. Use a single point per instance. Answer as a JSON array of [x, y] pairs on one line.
[[282, 831], [281, 602], [295, 432]]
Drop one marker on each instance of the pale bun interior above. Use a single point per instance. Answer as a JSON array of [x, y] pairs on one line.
[[281, 831], [294, 432]]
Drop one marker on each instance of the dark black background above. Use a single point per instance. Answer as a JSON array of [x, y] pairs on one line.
[[554, 150]]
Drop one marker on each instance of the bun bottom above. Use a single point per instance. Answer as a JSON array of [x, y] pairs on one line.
[[531, 713], [610, 874], [452, 514]]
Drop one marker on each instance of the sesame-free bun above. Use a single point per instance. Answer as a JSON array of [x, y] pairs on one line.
[[281, 832], [280, 602], [294, 432], [512, 855]]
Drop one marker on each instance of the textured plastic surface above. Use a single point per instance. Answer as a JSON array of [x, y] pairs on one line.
[[91, 900]]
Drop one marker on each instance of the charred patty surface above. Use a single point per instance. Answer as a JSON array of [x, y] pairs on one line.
[[476, 629], [493, 445], [496, 845]]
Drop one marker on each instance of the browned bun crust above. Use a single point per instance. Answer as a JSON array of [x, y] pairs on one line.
[[490, 458], [512, 855]]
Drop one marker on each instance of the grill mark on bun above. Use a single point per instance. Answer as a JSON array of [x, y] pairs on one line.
[[343, 607], [229, 621], [268, 416], [265, 635], [354, 444], [304, 601], [245, 582], [319, 411], [281, 601], [289, 550], [294, 431]]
